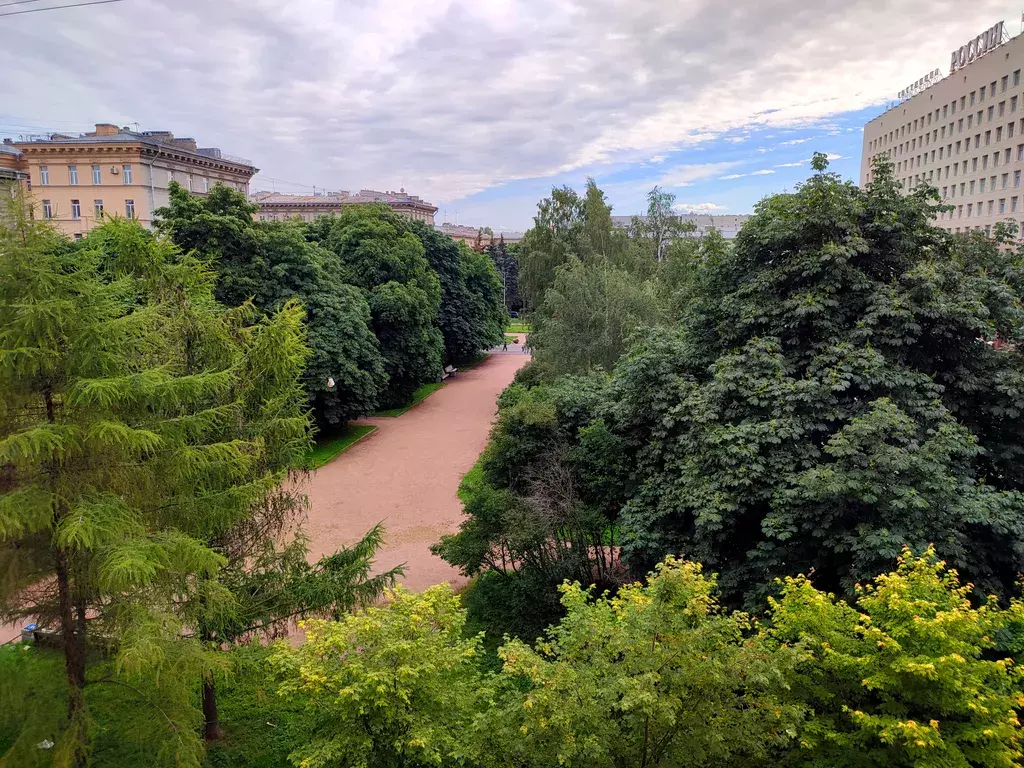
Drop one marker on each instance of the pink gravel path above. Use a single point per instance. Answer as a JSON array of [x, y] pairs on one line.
[[406, 474]]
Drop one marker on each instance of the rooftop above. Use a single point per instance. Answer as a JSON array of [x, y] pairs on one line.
[[361, 197], [106, 133]]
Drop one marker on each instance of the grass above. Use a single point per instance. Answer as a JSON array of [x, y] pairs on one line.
[[511, 339], [418, 396], [328, 448], [518, 328], [260, 727]]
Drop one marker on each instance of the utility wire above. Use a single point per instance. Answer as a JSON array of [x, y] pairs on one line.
[[19, 2], [53, 7]]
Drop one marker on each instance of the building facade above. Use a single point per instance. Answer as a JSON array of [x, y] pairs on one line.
[[964, 135], [728, 224], [279, 207], [75, 181]]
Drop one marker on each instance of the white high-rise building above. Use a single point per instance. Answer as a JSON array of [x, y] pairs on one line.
[[963, 134]]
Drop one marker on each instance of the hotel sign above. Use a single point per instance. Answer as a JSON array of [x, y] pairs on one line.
[[976, 48], [932, 77]]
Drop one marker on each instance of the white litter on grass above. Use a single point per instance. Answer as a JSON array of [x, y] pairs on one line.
[[45, 744]]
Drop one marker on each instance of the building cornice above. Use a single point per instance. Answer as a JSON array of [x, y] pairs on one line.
[[140, 149]]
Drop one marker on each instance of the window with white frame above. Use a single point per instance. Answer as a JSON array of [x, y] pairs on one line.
[[72, 174], [97, 206], [44, 174], [97, 175], [47, 209], [129, 209], [126, 171], [76, 209]]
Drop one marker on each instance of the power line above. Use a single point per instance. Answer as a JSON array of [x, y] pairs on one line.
[[19, 2], [54, 7]]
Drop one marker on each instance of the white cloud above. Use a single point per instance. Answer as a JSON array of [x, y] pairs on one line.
[[389, 93], [797, 164], [736, 139], [731, 176], [792, 142], [685, 175], [698, 207]]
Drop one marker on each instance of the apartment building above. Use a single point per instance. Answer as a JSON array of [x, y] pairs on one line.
[[76, 180], [964, 135], [728, 224], [279, 207]]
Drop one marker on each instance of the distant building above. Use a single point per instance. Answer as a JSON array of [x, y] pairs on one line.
[[76, 179], [12, 164], [728, 224], [962, 134], [476, 237], [280, 207]]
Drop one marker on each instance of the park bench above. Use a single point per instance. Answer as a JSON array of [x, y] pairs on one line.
[[448, 371]]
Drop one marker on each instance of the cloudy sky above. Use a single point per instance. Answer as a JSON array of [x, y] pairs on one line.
[[480, 106]]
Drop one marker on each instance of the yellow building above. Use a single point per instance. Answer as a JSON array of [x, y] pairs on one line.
[[278, 207], [77, 179]]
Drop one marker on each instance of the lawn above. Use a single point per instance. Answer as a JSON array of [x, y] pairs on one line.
[[327, 448], [518, 328], [418, 396], [260, 727]]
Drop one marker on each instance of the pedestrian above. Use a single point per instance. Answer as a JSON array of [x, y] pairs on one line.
[[504, 347]]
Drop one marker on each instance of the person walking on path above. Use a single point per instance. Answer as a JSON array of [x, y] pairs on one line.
[[504, 347]]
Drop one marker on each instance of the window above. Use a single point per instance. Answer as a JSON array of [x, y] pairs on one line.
[[977, 140], [988, 138], [1004, 82], [190, 182], [97, 206], [44, 174], [974, 163], [79, 235], [963, 185], [72, 174], [944, 192], [97, 175], [958, 147], [1002, 108], [170, 176], [129, 209], [1002, 205], [963, 102], [992, 88], [944, 108], [981, 94], [960, 125], [981, 186], [76, 209], [1004, 181], [959, 211], [991, 112], [992, 183], [1016, 178], [1016, 78], [206, 184], [1013, 204], [988, 227], [972, 188], [1020, 151], [1006, 155], [48, 208], [970, 121], [999, 133], [990, 206], [970, 207], [972, 98], [127, 173]]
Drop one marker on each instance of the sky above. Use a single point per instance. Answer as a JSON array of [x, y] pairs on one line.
[[481, 106]]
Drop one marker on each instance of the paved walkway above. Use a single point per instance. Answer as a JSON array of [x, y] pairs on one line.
[[406, 474]]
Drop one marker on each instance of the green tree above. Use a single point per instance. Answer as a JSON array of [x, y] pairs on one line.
[[557, 234], [909, 675], [270, 263], [658, 675], [376, 252], [504, 259], [589, 314], [392, 686], [471, 315], [130, 431], [832, 396]]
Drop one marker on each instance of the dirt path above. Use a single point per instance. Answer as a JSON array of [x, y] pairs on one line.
[[408, 471]]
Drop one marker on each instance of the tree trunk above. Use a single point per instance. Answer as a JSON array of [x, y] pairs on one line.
[[211, 729], [74, 659]]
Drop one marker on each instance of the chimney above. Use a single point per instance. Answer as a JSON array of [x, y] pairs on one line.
[[186, 144], [106, 129]]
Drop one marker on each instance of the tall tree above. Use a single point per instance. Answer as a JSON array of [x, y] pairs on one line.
[[270, 263], [123, 445], [661, 226], [504, 259], [377, 252], [471, 316]]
